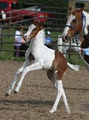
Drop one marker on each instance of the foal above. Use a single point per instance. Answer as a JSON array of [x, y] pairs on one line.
[[42, 57]]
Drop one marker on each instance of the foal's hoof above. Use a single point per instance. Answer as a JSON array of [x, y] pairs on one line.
[[7, 94], [15, 92], [52, 111]]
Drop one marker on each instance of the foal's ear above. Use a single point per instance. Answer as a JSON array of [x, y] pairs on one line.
[[69, 11], [38, 23], [70, 8], [81, 9]]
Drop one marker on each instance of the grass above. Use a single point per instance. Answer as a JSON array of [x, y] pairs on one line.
[[75, 59]]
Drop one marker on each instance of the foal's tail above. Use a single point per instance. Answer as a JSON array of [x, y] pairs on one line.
[[74, 67]]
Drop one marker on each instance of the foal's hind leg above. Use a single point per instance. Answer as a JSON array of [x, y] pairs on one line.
[[50, 74], [65, 101], [58, 74], [60, 93], [60, 90], [16, 77]]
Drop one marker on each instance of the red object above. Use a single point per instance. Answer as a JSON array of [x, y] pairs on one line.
[[13, 14]]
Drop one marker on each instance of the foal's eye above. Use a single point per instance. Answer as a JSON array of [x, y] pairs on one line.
[[35, 29], [74, 21]]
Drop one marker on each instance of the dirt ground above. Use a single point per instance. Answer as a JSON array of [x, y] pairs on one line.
[[37, 95]]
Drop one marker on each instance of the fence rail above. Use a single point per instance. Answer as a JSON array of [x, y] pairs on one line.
[[57, 25], [59, 13]]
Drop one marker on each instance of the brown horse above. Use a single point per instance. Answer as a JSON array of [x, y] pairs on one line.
[[79, 25]]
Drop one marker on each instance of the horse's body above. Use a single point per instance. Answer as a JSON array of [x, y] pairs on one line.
[[69, 45], [78, 24], [38, 56], [64, 50]]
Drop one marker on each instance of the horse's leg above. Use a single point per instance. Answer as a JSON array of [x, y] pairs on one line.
[[50, 74], [34, 66], [16, 77], [65, 101], [60, 93]]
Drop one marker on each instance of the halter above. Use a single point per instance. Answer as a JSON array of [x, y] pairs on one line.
[[69, 26], [84, 21]]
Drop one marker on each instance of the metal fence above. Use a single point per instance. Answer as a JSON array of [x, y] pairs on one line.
[[54, 24]]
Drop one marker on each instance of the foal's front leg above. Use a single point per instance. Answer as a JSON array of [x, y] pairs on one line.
[[16, 77], [34, 66]]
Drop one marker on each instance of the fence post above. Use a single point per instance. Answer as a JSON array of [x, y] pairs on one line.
[[1, 37], [69, 46]]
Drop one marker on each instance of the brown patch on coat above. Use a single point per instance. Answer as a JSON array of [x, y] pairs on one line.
[[31, 57], [76, 12], [76, 28], [59, 67], [50, 74], [35, 31]]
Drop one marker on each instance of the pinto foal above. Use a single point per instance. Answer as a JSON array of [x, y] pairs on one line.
[[38, 57]]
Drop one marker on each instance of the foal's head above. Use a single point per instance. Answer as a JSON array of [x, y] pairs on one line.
[[75, 27], [74, 22], [39, 26]]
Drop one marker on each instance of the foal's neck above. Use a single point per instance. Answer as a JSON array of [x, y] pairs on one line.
[[40, 37]]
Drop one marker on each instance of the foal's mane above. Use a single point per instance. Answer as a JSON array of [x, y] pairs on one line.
[[36, 30], [77, 13]]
